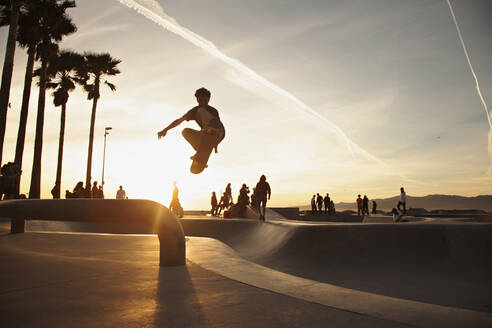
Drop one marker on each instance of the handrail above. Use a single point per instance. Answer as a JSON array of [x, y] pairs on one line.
[[140, 211]]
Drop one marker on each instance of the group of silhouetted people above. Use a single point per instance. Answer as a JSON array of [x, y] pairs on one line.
[[258, 199], [363, 206], [96, 192], [318, 202], [79, 191], [224, 203], [397, 212]]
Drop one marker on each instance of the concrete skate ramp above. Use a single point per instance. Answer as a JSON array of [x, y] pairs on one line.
[[447, 264], [153, 215]]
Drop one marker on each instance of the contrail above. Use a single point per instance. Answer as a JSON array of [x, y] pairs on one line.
[[153, 11], [477, 85]]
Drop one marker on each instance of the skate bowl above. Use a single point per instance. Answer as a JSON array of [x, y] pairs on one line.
[[154, 217], [446, 264]]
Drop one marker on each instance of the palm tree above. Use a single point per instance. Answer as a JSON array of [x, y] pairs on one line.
[[29, 37], [53, 30], [61, 72], [96, 66], [8, 8]]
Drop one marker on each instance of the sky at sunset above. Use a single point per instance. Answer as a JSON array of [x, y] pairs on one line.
[[345, 97]]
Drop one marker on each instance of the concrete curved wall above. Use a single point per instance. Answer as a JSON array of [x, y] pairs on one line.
[[149, 213], [446, 264]]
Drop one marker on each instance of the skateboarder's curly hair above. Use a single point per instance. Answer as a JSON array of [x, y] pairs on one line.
[[202, 92]]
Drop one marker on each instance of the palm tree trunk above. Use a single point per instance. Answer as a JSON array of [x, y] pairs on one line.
[[35, 189], [8, 68], [91, 139], [21, 134], [60, 151]]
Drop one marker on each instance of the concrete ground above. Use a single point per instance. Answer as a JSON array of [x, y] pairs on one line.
[[279, 274], [97, 280]]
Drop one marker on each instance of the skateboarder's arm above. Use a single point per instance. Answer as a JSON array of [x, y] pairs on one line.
[[174, 124], [269, 191]]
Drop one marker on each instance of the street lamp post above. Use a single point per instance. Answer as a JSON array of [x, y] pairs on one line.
[[106, 132]]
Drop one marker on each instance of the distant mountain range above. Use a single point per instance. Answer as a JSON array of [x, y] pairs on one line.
[[429, 202]]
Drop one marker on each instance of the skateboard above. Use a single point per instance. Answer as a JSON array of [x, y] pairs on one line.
[[203, 152]]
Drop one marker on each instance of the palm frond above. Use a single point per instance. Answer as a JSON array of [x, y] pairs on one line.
[[51, 85], [110, 85], [36, 72], [44, 19], [94, 68], [88, 87]]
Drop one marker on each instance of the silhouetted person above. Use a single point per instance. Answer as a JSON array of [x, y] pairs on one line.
[[9, 175], [121, 193], [100, 193], [262, 191], [211, 130], [398, 215], [374, 207], [319, 201], [175, 206], [332, 208], [243, 198], [213, 202], [224, 203], [359, 205], [95, 190], [254, 199], [365, 205], [403, 200], [78, 191], [228, 192], [326, 202], [87, 192], [313, 205]]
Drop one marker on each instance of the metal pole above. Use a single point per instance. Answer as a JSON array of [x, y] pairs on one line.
[[104, 160], [104, 155]]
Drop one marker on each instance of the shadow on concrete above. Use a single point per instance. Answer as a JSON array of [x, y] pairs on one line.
[[177, 304]]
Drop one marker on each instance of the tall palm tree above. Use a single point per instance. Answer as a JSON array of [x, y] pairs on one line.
[[53, 30], [95, 68], [61, 72], [29, 37], [8, 8]]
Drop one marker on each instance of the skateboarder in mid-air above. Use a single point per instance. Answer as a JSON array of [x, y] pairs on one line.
[[211, 134]]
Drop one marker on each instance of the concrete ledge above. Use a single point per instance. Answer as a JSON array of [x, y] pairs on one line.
[[152, 214]]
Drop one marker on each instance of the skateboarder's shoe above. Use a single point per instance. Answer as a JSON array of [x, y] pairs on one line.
[[193, 159]]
